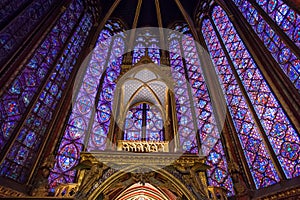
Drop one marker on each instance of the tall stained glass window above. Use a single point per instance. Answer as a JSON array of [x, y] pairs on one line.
[[192, 99], [45, 74], [91, 110], [245, 89], [21, 26], [285, 17], [289, 22]]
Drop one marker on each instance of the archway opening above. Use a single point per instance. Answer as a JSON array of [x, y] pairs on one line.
[[145, 191]]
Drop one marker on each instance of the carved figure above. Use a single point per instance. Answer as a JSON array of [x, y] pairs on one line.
[[91, 176], [41, 187]]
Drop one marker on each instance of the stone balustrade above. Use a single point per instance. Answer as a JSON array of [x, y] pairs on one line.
[[143, 146]]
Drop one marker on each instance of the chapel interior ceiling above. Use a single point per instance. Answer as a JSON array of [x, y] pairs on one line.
[[149, 11]]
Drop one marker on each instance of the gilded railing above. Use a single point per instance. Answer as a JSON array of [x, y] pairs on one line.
[[143, 146], [66, 190]]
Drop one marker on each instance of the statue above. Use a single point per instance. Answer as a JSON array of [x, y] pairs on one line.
[[90, 177], [41, 187], [238, 182], [191, 177]]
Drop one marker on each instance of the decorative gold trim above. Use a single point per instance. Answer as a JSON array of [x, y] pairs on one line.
[[66, 190], [293, 193], [8, 192], [157, 158], [143, 146], [115, 177]]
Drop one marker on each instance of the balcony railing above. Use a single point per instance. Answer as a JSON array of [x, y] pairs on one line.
[[143, 146]]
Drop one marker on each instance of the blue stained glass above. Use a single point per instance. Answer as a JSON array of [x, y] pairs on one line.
[[290, 150], [80, 118], [34, 128], [99, 135], [26, 16], [41, 73], [219, 175], [111, 76], [209, 136], [12, 108], [285, 57], [84, 104], [54, 89], [49, 99], [22, 155], [89, 86], [154, 124], [247, 131], [133, 129], [187, 136], [149, 41], [68, 157], [108, 93], [285, 17], [102, 117], [5, 129], [16, 87], [256, 88], [214, 158], [28, 77], [30, 139]]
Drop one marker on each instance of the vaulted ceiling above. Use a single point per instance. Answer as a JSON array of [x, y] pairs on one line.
[[150, 13]]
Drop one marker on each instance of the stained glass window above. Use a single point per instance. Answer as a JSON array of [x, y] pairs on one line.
[[289, 21], [97, 140], [253, 146], [186, 126], [16, 99], [22, 26], [22, 154], [154, 124], [285, 17], [86, 112], [146, 41], [144, 122], [134, 123], [138, 52], [10, 7], [189, 66], [276, 126]]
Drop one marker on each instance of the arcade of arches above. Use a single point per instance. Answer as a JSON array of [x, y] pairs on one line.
[[150, 99]]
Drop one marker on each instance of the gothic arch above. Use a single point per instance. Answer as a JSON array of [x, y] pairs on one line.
[[114, 179], [144, 82], [140, 68]]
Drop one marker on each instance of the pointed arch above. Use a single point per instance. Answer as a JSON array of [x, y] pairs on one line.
[[111, 181], [147, 86]]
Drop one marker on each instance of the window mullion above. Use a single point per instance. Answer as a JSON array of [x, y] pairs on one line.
[[144, 122], [35, 98], [96, 101], [252, 110], [192, 105], [276, 28]]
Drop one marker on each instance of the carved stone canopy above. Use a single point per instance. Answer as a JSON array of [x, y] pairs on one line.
[[154, 159], [128, 168]]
